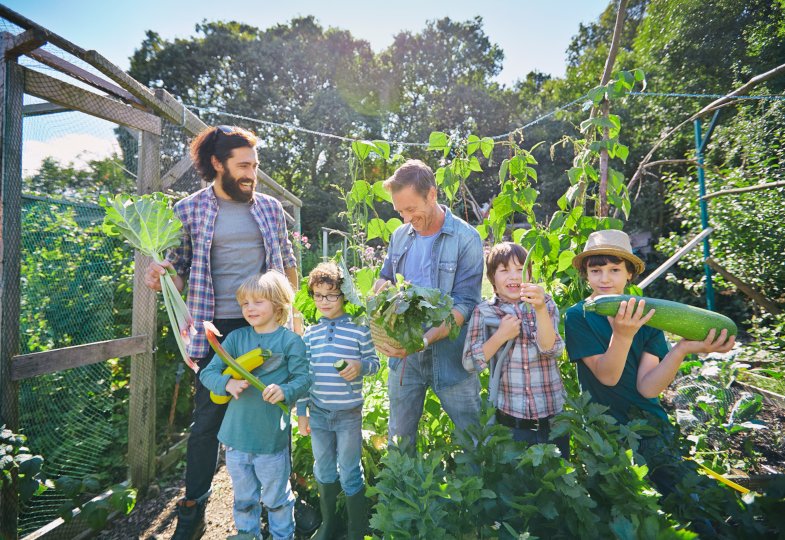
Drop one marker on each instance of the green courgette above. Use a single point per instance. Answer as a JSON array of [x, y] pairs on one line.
[[340, 365], [686, 321]]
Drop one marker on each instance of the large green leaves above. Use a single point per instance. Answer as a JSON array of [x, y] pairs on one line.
[[149, 224], [146, 222], [404, 309]]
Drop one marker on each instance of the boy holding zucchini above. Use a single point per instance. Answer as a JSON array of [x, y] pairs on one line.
[[625, 364], [254, 429], [340, 354], [526, 386]]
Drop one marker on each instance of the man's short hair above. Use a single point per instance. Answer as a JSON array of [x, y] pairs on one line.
[[326, 273], [272, 286], [218, 141], [412, 173], [501, 254]]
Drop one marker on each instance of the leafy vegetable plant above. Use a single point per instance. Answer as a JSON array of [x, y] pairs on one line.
[[403, 310], [149, 224]]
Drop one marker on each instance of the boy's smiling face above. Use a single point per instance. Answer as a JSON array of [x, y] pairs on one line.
[[323, 294], [260, 313], [610, 278], [507, 280]]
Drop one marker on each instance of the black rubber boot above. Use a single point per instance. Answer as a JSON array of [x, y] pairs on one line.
[[328, 495], [357, 511], [190, 520]]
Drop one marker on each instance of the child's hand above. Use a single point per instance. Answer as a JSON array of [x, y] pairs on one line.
[[303, 425], [352, 370], [509, 327], [628, 319], [533, 294], [235, 387], [721, 344], [273, 394]]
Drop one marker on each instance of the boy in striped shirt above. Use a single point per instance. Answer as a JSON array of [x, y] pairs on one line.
[[340, 353]]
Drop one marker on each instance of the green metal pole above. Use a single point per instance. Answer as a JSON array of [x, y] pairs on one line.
[[700, 143]]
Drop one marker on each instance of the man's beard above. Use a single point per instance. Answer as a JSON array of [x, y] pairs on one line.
[[231, 187]]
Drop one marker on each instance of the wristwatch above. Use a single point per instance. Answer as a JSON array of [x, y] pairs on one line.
[[424, 343]]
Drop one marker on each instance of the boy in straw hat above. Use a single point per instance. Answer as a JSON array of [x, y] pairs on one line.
[[624, 364]]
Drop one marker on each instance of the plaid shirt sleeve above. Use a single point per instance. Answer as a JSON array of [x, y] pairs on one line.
[[558, 344], [473, 355], [182, 255], [287, 253]]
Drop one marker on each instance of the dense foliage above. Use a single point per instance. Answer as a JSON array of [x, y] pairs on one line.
[[436, 86]]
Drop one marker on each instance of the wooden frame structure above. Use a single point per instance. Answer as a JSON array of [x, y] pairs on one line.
[[118, 98]]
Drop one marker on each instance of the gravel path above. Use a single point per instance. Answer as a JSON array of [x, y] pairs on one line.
[[155, 518]]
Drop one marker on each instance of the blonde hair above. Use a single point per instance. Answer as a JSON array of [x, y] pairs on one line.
[[271, 286]]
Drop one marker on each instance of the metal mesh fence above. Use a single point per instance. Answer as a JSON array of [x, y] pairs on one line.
[[74, 291]]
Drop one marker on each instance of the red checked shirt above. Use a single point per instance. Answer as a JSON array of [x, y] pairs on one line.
[[191, 259], [530, 385]]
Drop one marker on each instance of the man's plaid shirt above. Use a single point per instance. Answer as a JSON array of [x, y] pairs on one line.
[[530, 386], [191, 259]]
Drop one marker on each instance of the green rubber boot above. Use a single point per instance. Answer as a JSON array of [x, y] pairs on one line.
[[328, 495], [357, 511]]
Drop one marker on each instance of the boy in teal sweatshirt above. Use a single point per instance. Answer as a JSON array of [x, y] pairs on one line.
[[257, 449]]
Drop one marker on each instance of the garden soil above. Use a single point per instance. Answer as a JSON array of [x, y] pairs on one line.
[[155, 518]]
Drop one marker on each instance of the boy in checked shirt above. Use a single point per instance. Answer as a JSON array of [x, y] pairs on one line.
[[526, 343]]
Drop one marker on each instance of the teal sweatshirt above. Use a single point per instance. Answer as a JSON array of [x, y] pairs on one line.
[[251, 424]]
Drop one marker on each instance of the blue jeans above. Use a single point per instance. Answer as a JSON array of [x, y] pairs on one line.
[[337, 442], [265, 478], [460, 401], [201, 455]]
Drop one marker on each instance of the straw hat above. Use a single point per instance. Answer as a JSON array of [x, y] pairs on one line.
[[609, 242]]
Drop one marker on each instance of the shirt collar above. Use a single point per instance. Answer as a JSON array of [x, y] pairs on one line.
[[342, 318]]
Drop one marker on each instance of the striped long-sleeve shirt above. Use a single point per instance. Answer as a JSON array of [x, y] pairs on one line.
[[326, 342]]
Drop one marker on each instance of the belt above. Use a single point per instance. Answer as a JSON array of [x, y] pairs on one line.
[[522, 423]]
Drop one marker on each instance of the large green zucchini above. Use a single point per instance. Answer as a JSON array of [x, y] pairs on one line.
[[686, 321]]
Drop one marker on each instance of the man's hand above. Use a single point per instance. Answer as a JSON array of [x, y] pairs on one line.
[[235, 387], [273, 394], [509, 328], [352, 370], [391, 352], [152, 276], [304, 425], [628, 320], [380, 285]]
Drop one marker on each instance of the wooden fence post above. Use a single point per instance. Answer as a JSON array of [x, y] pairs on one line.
[[11, 102], [141, 422]]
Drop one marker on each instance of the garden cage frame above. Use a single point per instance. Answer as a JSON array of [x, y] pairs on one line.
[[107, 92]]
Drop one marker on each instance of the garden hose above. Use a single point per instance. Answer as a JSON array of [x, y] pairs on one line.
[[717, 476]]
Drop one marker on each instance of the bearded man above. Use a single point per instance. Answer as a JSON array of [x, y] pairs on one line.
[[230, 232]]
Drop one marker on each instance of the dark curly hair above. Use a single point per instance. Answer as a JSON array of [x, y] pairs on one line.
[[218, 141]]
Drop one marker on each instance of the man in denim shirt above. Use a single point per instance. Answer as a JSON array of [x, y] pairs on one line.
[[434, 248]]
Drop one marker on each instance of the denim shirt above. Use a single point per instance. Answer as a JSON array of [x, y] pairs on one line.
[[457, 271]]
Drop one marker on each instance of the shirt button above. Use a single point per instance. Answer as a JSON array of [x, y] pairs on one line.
[[332, 324], [329, 339]]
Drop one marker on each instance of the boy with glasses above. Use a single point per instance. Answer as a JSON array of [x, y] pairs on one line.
[[340, 353]]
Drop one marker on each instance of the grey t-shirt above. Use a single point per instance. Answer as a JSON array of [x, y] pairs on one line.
[[237, 252], [419, 259]]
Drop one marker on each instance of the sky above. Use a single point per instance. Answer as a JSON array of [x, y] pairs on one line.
[[534, 35]]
